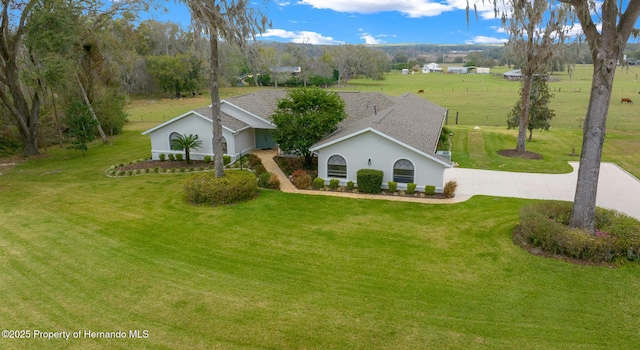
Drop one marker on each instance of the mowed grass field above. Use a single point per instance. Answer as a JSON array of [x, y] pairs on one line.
[[83, 252]]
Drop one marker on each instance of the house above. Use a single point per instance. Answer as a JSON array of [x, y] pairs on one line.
[[431, 67], [481, 70], [515, 74], [459, 70], [293, 71], [405, 71], [397, 135]]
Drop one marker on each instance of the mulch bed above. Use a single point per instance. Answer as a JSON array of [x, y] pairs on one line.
[[167, 164], [512, 153]]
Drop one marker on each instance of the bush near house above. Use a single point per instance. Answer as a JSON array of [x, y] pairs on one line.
[[162, 157], [392, 186], [172, 157], [411, 188], [350, 185], [179, 157], [545, 224], [301, 179], [269, 180], [235, 186], [334, 184], [318, 183], [369, 180], [429, 190], [450, 188]]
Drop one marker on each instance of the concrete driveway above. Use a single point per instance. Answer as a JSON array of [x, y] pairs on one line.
[[617, 189]]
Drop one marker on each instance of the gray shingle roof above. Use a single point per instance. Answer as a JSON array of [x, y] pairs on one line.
[[408, 119], [227, 120]]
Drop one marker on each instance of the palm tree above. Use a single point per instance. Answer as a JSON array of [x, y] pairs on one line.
[[187, 143]]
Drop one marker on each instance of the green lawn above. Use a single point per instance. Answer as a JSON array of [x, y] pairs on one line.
[[80, 251]]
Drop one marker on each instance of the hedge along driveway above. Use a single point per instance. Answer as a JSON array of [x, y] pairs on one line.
[[617, 189]]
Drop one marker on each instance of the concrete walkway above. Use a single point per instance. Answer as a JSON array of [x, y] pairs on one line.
[[617, 189]]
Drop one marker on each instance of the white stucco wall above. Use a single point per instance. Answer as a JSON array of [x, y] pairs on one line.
[[383, 154], [245, 141], [191, 124]]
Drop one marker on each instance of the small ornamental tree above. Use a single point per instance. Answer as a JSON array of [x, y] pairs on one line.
[[304, 117], [539, 112], [81, 125], [187, 142]]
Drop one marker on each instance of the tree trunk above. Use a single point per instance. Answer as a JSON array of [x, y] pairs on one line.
[[594, 131], [57, 119], [521, 146], [218, 161], [93, 114]]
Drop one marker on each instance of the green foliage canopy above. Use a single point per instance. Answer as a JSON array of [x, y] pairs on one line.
[[540, 114], [304, 117]]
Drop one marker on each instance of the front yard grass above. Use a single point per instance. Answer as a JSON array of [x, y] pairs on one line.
[[81, 251]]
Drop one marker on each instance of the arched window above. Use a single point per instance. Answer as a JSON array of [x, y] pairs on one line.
[[225, 149], [336, 167], [173, 136], [403, 171]]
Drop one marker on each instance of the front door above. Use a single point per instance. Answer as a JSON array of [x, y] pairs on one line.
[[264, 139]]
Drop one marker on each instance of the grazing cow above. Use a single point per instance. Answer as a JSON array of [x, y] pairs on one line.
[[421, 91], [626, 100]]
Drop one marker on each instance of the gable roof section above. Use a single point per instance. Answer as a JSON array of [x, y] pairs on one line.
[[410, 121], [228, 122]]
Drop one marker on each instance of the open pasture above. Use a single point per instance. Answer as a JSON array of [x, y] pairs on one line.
[[80, 251]]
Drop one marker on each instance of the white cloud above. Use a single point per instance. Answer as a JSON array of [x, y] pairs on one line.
[[486, 40], [370, 39], [301, 37], [411, 8]]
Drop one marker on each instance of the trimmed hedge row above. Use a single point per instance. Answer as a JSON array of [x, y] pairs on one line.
[[545, 224], [235, 186]]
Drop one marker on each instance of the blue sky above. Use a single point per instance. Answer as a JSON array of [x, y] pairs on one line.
[[369, 22]]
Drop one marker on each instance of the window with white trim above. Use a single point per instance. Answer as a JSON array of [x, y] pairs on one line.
[[337, 166], [172, 146], [403, 171]]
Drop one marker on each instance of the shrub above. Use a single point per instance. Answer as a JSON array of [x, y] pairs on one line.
[[207, 159], [156, 169], [290, 164], [274, 182], [263, 180], [179, 157], [545, 224], [162, 157], [429, 190], [334, 184], [411, 188], [301, 179], [350, 185], [252, 160], [318, 183], [233, 187], [172, 157], [259, 169], [182, 170], [369, 180], [392, 186], [226, 160], [450, 188]]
